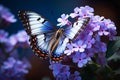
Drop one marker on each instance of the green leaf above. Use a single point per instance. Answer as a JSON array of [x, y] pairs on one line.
[[113, 46], [117, 71], [115, 56], [105, 73]]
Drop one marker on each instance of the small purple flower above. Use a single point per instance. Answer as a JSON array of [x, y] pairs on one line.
[[61, 76], [109, 24], [86, 11], [79, 46], [90, 52], [81, 59], [76, 12], [111, 28], [6, 14], [3, 36], [82, 12], [93, 27], [63, 20], [69, 49], [103, 30], [58, 68], [95, 23], [89, 41], [100, 47], [75, 76], [112, 34], [97, 19]]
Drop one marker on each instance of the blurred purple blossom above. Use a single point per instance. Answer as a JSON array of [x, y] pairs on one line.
[[75, 76], [59, 69], [13, 40], [21, 37], [9, 47], [62, 72], [11, 65], [3, 36], [14, 68], [6, 14]]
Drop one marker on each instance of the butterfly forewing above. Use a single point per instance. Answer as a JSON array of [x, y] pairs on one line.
[[34, 23], [76, 28]]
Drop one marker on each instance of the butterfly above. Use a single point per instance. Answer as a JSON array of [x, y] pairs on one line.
[[46, 40]]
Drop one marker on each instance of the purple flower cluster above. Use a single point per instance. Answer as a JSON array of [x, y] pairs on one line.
[[6, 14], [90, 37], [12, 65], [87, 45], [15, 68], [20, 37], [3, 36]]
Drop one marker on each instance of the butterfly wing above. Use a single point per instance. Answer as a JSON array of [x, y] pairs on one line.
[[39, 30]]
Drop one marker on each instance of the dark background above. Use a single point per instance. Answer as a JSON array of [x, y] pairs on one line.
[[52, 9]]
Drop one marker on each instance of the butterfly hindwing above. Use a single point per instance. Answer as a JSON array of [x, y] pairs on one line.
[[58, 54]]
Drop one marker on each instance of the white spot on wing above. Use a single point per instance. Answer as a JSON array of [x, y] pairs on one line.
[[34, 22], [36, 26]]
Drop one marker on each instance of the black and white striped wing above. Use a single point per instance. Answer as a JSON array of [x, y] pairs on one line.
[[39, 30], [77, 27]]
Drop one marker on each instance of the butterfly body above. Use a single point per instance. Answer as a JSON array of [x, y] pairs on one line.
[[45, 40], [55, 40]]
